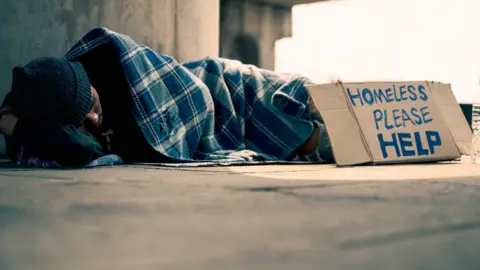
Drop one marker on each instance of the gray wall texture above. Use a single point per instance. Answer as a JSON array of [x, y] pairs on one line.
[[185, 29]]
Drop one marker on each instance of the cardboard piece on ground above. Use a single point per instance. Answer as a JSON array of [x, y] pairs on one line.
[[392, 122], [453, 116]]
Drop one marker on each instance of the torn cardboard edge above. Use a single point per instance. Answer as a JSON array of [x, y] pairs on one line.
[[392, 122]]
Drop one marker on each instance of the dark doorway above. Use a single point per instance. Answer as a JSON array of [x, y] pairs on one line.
[[245, 49]]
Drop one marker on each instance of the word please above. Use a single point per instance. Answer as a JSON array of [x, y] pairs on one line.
[[396, 118], [410, 144], [397, 93]]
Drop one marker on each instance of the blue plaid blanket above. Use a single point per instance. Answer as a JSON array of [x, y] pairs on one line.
[[213, 109]]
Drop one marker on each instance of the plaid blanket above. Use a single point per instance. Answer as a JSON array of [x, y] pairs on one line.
[[212, 109]]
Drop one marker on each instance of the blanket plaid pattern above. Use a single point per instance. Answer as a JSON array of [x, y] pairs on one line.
[[213, 109]]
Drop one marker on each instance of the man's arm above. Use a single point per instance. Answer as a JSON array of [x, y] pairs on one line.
[[50, 141]]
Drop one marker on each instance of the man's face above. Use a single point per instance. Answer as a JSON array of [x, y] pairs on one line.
[[94, 118]]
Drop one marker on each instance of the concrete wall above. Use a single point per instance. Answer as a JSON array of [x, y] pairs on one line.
[[185, 29], [249, 29]]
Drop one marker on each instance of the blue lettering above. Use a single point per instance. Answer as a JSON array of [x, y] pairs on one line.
[[412, 91], [423, 94], [396, 117], [415, 114], [425, 113], [378, 116], [406, 117], [418, 141], [395, 94], [405, 141], [404, 146], [389, 93], [384, 144], [403, 91], [367, 96], [352, 96], [379, 95], [387, 126], [433, 139]]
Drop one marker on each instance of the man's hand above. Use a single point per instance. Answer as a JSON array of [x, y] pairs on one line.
[[8, 121]]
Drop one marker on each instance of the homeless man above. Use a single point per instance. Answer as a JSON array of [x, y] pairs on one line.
[[111, 97]]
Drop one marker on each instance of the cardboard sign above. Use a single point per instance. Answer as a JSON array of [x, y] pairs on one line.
[[392, 122]]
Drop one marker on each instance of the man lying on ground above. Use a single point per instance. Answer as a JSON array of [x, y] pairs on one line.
[[112, 96]]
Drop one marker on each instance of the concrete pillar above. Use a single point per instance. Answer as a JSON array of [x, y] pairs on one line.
[[198, 28], [185, 29]]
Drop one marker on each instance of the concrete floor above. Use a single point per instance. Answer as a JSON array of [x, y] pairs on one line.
[[261, 217]]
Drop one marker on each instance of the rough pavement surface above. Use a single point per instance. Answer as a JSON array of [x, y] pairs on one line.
[[208, 218]]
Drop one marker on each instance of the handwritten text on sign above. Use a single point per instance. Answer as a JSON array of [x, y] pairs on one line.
[[392, 123]]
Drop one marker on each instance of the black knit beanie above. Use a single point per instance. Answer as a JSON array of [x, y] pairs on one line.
[[52, 87]]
